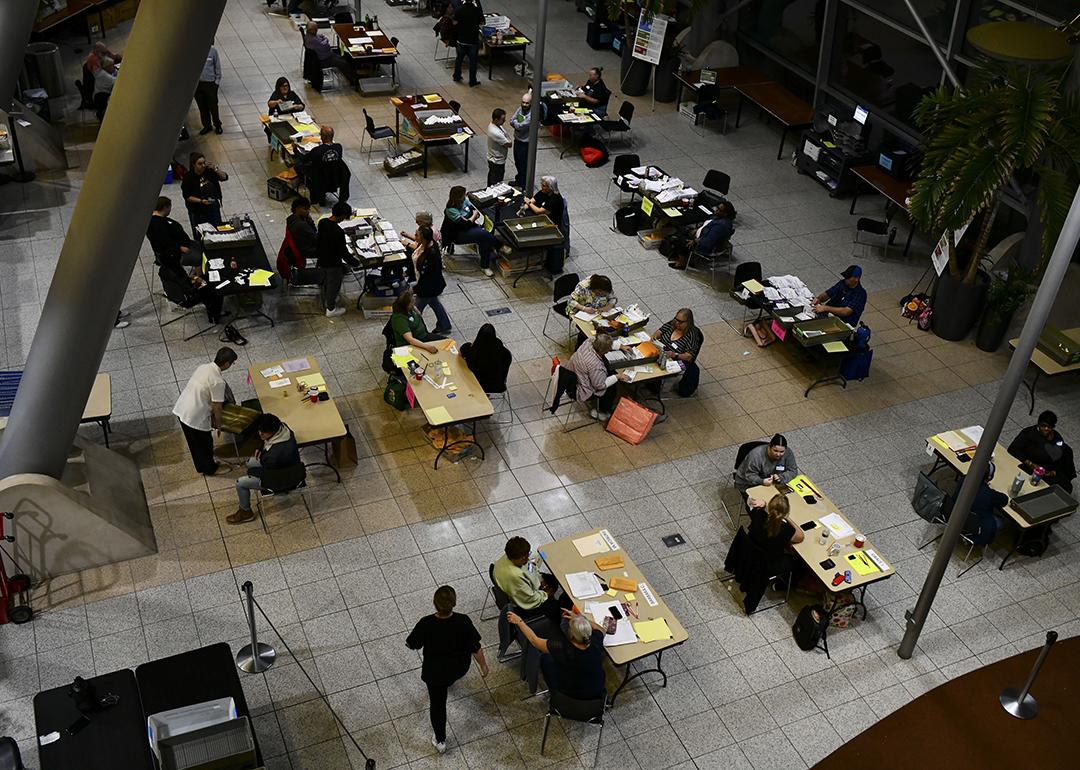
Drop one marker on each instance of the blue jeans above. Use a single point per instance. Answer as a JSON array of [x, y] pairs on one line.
[[245, 484], [473, 51], [442, 319], [484, 241], [521, 162]]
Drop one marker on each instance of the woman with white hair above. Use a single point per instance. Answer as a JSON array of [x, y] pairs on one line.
[[548, 200], [591, 377], [572, 664]]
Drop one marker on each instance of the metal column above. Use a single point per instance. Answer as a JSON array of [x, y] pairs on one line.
[[162, 63], [16, 22], [538, 78], [1014, 375]]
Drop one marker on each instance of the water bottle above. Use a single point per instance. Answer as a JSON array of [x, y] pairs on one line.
[[1017, 485], [823, 538]]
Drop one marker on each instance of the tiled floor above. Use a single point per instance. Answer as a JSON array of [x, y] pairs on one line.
[[345, 590]]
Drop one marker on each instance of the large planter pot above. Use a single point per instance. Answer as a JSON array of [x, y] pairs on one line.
[[992, 330], [633, 73], [957, 305], [664, 82]]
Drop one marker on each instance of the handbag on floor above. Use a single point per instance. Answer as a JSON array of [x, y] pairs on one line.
[[344, 450], [631, 421]]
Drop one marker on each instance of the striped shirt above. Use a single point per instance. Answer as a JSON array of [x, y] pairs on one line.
[[690, 342]]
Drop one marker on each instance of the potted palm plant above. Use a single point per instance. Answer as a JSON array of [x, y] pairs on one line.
[[1016, 127]]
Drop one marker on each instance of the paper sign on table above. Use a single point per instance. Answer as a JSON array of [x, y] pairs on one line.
[[279, 383], [272, 371], [312, 381], [590, 544], [647, 206], [652, 630]]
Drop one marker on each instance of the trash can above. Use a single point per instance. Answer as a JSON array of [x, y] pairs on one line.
[[45, 67]]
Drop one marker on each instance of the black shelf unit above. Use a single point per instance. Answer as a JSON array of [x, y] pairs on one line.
[[831, 168]]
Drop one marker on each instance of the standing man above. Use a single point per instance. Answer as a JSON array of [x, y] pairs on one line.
[[333, 255], [520, 123], [199, 409], [846, 299], [467, 22], [206, 93], [497, 143]]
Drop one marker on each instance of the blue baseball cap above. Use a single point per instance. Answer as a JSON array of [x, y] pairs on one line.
[[853, 271]]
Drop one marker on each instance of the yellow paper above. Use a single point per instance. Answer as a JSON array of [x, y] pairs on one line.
[[437, 415], [462, 137], [647, 206], [432, 98], [260, 278], [402, 360], [488, 224], [835, 347], [312, 381], [652, 630], [861, 564], [581, 110], [612, 592], [803, 486], [672, 213], [631, 597], [753, 286]]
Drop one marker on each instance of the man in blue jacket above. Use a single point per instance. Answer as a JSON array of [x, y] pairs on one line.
[[279, 450], [984, 521], [846, 299], [708, 238]]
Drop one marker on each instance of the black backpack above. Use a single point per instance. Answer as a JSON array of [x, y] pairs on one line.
[[1035, 542], [627, 220], [809, 626]]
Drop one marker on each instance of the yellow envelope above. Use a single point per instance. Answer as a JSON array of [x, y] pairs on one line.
[[652, 630], [835, 347], [437, 415]]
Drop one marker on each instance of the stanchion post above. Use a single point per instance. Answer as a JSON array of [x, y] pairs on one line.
[[1020, 704], [257, 656]]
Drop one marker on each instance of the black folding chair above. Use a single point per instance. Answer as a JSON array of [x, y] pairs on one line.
[[564, 707]]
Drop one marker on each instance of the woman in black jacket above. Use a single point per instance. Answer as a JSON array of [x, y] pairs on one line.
[[488, 359], [430, 282]]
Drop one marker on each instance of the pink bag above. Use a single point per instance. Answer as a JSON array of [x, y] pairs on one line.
[[631, 421]]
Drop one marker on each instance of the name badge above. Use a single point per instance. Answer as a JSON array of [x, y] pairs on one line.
[[781, 468]]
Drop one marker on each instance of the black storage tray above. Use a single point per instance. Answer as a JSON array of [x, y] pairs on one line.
[[1050, 502]]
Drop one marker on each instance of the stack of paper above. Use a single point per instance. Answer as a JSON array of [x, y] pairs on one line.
[[836, 525], [583, 585], [652, 630], [591, 544], [624, 631]]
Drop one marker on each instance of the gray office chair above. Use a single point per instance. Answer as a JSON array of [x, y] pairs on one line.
[[722, 255], [374, 132], [875, 227], [562, 288]]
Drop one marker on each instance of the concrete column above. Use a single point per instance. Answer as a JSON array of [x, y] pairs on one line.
[[162, 63], [16, 22], [538, 78]]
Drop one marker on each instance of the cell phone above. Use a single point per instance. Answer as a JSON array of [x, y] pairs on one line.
[[828, 564], [615, 612], [810, 499], [609, 625], [78, 725], [809, 525], [964, 457]]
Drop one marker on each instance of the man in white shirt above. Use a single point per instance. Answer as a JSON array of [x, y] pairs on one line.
[[104, 82], [199, 409], [497, 143]]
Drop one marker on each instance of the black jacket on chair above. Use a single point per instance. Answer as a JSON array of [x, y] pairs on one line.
[[326, 172], [313, 71], [750, 571]]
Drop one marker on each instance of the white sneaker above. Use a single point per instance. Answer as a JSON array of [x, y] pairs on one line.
[[121, 324], [335, 312], [440, 746], [489, 272], [598, 415]]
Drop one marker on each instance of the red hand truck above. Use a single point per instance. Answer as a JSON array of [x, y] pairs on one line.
[[14, 590]]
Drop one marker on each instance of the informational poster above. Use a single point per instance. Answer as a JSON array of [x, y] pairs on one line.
[[940, 255], [649, 40]]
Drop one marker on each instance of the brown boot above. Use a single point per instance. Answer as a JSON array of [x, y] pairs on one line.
[[240, 517]]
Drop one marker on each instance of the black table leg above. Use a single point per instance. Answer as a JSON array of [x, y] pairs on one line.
[[911, 232], [626, 679], [425, 158], [467, 154], [854, 198], [783, 136], [327, 463], [105, 428], [1031, 388], [738, 111], [447, 443]]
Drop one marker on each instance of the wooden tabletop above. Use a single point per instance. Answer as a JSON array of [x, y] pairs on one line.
[[1006, 468], [894, 189], [563, 558], [381, 47], [812, 552], [310, 423], [1045, 363], [726, 77], [98, 404], [409, 106], [779, 102], [468, 402]]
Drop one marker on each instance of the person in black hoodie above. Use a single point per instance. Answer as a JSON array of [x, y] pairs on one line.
[[468, 19], [1041, 446], [427, 256], [333, 255], [488, 359], [447, 639], [279, 450], [300, 245]]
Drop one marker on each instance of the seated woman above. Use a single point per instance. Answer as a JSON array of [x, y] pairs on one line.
[[683, 340], [772, 531], [408, 324], [591, 377], [549, 201], [595, 94], [463, 224], [284, 100], [593, 295], [488, 359], [1041, 446], [572, 664]]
